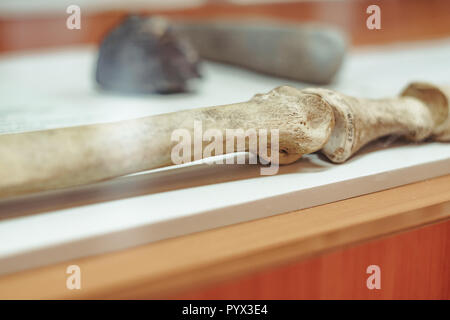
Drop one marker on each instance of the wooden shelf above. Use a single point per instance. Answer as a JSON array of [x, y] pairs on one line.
[[171, 266]]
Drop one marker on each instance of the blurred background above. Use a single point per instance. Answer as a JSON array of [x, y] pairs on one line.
[[49, 78], [50, 74], [36, 24]]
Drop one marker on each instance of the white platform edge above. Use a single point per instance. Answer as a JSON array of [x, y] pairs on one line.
[[221, 217]]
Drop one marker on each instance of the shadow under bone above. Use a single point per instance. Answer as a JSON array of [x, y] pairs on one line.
[[146, 183], [169, 179]]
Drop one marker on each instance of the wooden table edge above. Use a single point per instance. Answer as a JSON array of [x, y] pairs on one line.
[[169, 267]]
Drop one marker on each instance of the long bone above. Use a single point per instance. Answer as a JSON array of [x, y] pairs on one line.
[[308, 120], [58, 158]]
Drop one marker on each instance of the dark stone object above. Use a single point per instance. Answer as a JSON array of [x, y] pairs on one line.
[[145, 55]]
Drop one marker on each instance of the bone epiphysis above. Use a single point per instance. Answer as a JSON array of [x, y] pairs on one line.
[[437, 98]]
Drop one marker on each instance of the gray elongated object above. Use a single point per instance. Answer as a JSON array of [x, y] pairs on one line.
[[304, 52]]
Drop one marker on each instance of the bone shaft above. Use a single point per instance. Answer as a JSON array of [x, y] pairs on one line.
[[41, 160], [77, 155], [58, 158], [397, 116]]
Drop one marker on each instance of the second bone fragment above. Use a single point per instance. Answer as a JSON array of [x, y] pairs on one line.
[[421, 112]]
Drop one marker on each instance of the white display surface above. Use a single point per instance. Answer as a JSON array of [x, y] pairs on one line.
[[55, 89]]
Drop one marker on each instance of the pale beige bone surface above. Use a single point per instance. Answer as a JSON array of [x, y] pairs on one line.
[[43, 160], [308, 120], [359, 121], [438, 99], [422, 111]]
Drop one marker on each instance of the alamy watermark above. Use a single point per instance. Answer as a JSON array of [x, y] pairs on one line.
[[74, 20], [73, 281], [212, 142], [374, 280], [373, 22]]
